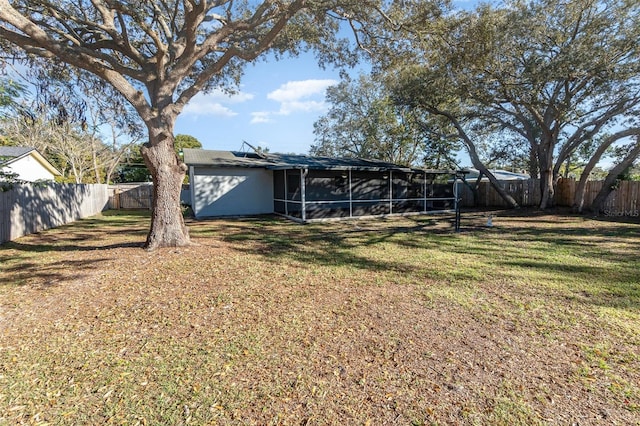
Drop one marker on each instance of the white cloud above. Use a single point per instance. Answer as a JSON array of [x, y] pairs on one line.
[[304, 96], [213, 103], [261, 117], [294, 90], [205, 107], [303, 106]]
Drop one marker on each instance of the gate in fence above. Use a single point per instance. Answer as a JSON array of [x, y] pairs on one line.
[[134, 196]]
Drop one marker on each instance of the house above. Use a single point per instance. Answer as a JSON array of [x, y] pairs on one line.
[[499, 174], [27, 163], [304, 188]]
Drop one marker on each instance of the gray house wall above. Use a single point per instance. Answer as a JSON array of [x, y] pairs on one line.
[[231, 191]]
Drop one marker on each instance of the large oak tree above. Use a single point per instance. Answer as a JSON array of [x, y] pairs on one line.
[[553, 74], [158, 54]]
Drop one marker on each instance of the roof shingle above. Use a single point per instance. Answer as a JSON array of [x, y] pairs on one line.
[[273, 161], [14, 151]]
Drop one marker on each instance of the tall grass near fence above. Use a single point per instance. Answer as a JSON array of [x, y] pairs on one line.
[[30, 208]]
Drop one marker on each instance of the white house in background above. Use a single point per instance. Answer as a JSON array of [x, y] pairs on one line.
[[27, 163], [472, 175]]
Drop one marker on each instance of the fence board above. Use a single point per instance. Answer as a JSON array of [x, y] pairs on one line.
[[624, 200], [525, 192], [31, 208], [565, 192], [138, 196]]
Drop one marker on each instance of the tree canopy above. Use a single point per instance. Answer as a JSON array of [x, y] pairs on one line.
[[364, 122], [82, 128], [10, 92], [187, 141]]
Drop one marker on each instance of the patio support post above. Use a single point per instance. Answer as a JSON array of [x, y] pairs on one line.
[[390, 191], [286, 194], [303, 192], [424, 192], [350, 195], [456, 203]]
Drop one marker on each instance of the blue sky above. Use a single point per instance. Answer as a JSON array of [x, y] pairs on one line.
[[276, 106]]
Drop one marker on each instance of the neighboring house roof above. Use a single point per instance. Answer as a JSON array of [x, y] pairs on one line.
[[272, 161], [11, 154], [499, 174]]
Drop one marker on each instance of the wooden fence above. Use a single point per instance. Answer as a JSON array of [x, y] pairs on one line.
[[30, 208], [136, 196], [525, 192], [621, 202], [131, 196]]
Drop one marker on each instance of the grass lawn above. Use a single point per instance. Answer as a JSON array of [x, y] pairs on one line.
[[535, 320]]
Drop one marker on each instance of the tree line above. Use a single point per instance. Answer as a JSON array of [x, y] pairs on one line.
[[538, 82]]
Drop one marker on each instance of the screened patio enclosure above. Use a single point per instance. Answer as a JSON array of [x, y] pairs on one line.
[[316, 194], [306, 188]]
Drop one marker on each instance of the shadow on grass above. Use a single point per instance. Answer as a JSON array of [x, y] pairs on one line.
[[547, 248], [47, 258], [50, 273], [95, 233], [324, 244]]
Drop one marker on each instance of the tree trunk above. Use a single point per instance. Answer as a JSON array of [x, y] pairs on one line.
[[167, 223], [547, 189], [578, 199], [533, 163], [496, 185], [610, 180], [567, 167], [475, 159]]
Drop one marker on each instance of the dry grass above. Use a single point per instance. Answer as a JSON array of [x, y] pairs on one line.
[[400, 321]]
